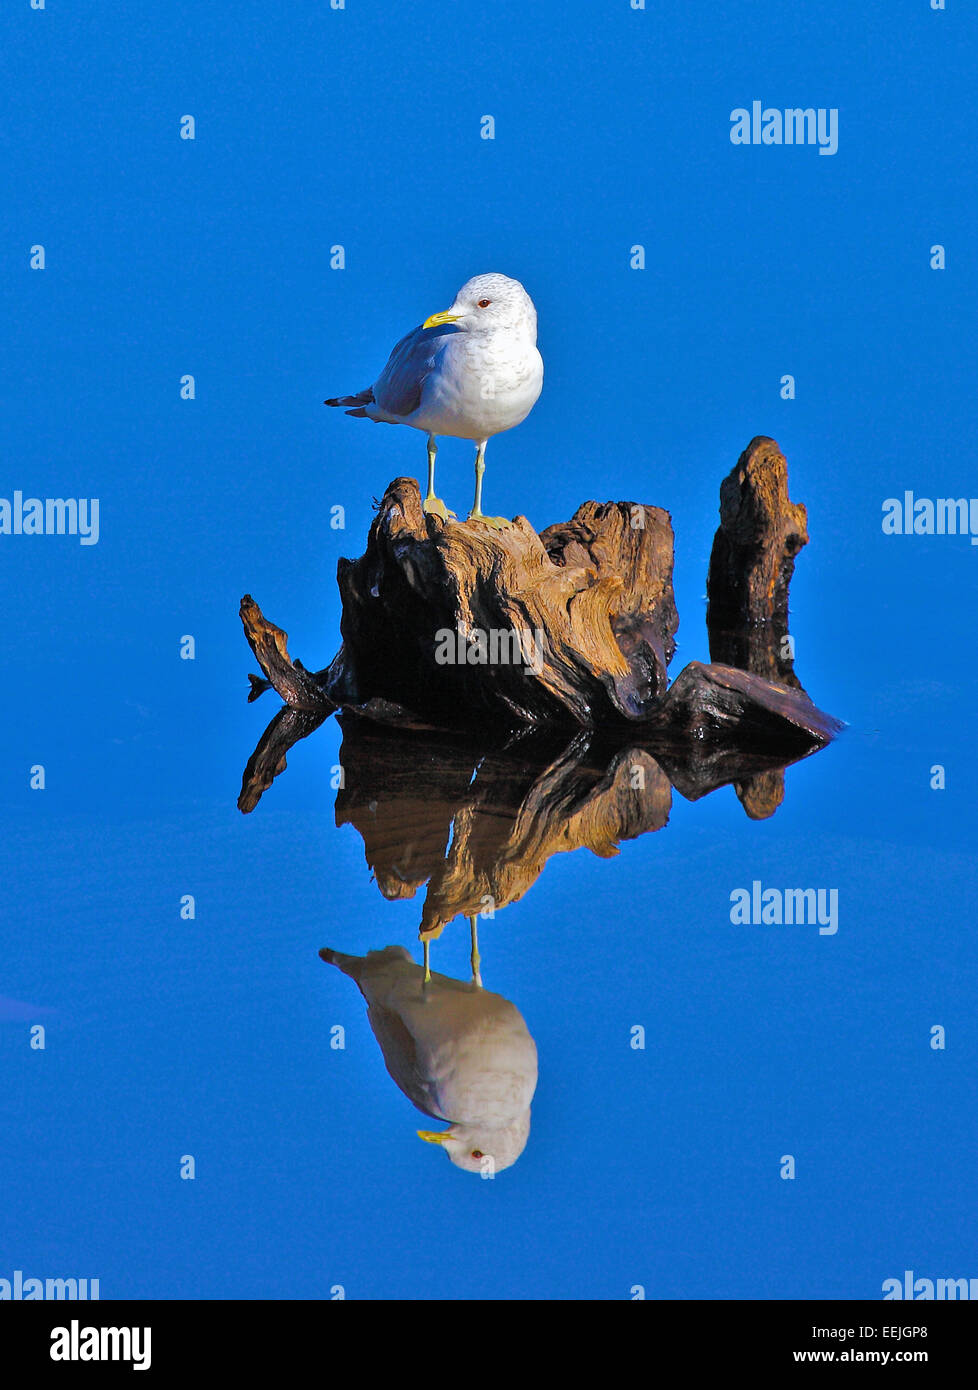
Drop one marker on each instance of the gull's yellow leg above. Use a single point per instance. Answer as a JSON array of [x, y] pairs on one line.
[[432, 503], [475, 958], [427, 966], [477, 514]]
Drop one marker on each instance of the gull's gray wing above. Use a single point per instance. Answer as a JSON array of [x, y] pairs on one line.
[[398, 388], [401, 1058]]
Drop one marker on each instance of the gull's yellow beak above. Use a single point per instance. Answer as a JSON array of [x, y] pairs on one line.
[[436, 320], [431, 1136]]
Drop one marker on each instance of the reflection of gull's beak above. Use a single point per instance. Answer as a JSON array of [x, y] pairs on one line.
[[431, 1136], [436, 320]]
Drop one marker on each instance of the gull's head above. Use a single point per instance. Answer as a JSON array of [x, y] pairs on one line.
[[488, 302], [480, 1150]]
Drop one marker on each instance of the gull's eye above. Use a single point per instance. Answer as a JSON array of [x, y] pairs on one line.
[[484, 304], [477, 1153]]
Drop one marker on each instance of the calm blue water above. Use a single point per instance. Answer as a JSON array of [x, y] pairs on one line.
[[211, 1037]]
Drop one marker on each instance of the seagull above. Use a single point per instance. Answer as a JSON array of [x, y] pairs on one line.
[[471, 371], [458, 1052]]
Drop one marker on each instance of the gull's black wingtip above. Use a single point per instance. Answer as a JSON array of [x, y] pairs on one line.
[[361, 398]]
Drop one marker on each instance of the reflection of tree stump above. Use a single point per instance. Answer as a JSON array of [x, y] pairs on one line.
[[494, 860], [477, 822], [268, 759], [762, 794]]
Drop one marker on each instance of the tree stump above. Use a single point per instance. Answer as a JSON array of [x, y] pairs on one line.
[[456, 625]]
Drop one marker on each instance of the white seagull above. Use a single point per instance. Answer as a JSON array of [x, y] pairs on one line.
[[471, 372], [458, 1052]]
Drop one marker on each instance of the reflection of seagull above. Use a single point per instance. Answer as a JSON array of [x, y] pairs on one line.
[[458, 1052], [471, 371]]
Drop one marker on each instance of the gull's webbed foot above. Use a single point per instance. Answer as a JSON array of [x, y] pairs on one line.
[[436, 507], [498, 523]]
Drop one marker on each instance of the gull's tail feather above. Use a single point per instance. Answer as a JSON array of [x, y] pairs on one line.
[[354, 965], [362, 398], [350, 965]]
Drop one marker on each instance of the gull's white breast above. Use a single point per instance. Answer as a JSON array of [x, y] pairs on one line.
[[485, 383], [470, 1060]]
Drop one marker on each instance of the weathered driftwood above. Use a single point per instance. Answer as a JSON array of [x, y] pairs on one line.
[[723, 704], [635, 544], [593, 600], [458, 623], [466, 776], [299, 688], [761, 531]]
